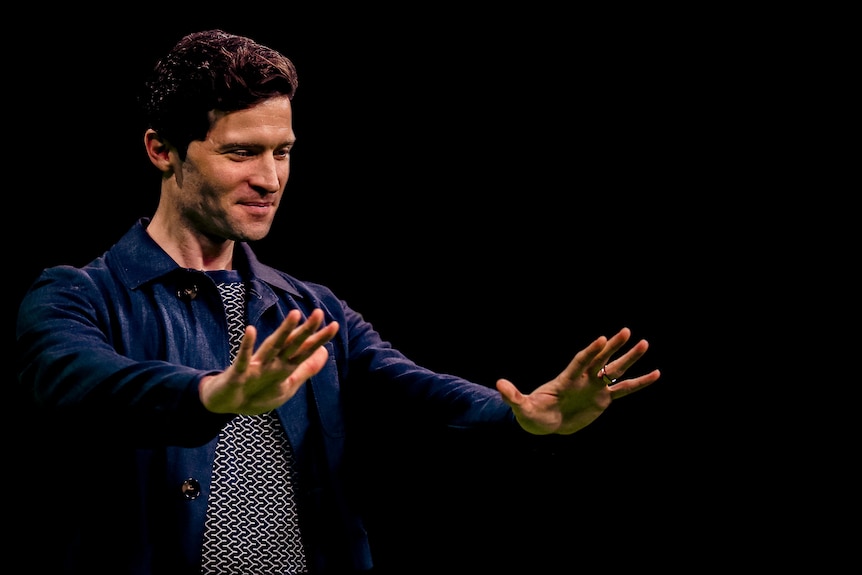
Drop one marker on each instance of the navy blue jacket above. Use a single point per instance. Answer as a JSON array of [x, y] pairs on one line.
[[112, 354]]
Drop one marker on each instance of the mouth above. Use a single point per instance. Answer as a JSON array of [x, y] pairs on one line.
[[258, 208]]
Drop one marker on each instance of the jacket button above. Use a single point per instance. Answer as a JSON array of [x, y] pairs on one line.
[[188, 293], [191, 488]]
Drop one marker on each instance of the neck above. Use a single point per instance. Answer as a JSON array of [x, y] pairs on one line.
[[192, 249]]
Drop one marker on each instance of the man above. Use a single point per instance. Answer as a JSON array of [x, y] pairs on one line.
[[200, 400]]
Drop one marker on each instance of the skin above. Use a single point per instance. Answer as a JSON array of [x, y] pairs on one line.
[[579, 394], [228, 189]]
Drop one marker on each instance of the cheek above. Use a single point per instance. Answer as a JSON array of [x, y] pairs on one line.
[[221, 179]]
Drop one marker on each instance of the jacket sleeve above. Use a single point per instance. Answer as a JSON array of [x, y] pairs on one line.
[[420, 393], [69, 363]]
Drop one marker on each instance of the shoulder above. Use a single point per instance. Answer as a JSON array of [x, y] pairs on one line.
[[281, 281]]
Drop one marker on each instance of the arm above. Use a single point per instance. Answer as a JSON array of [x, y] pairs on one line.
[[99, 357]]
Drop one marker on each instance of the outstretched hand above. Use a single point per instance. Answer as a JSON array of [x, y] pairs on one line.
[[260, 381], [577, 396]]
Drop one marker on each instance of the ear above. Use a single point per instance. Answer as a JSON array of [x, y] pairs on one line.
[[158, 150]]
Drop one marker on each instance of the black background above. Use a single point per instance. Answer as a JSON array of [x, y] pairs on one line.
[[492, 191]]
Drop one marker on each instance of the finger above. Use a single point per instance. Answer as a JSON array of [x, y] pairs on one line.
[[613, 345], [623, 388], [618, 367], [246, 347], [584, 360], [272, 346], [607, 371], [300, 334], [305, 339], [309, 367], [309, 345], [290, 335]]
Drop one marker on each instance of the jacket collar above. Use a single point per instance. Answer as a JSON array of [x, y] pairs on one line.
[[142, 260]]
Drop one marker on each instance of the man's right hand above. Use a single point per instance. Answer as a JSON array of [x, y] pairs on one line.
[[258, 382]]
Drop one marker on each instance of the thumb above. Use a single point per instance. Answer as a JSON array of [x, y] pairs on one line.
[[509, 392]]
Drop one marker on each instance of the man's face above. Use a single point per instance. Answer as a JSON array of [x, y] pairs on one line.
[[230, 185]]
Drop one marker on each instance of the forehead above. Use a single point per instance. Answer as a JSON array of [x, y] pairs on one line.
[[272, 118]]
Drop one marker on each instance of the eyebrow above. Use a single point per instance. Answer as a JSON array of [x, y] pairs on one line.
[[241, 144]]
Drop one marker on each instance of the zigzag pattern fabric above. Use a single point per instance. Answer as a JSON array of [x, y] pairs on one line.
[[233, 296], [251, 525]]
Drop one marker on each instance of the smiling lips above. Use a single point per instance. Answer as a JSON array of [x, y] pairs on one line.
[[257, 208], [256, 203]]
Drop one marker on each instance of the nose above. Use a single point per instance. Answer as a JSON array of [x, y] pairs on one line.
[[268, 174]]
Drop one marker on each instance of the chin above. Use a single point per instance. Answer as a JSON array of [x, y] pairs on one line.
[[253, 231], [253, 236]]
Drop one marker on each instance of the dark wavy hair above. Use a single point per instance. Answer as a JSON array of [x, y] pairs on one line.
[[211, 70]]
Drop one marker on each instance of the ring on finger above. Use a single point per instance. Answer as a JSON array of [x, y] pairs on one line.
[[603, 373]]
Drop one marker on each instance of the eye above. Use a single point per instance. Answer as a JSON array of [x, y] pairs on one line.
[[242, 152]]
